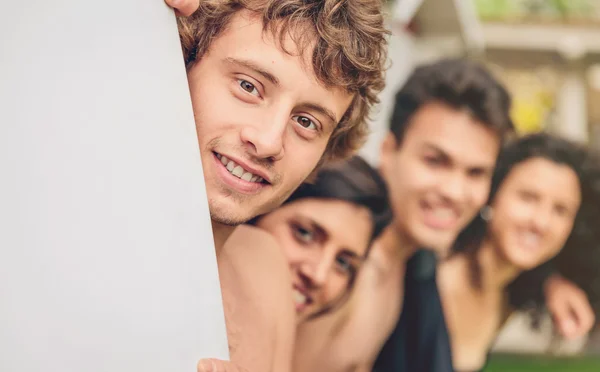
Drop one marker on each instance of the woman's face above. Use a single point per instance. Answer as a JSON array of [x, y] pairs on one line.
[[325, 241], [534, 211]]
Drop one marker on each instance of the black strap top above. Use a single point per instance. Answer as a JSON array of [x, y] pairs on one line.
[[420, 341]]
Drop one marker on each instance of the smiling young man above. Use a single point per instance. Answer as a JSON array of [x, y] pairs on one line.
[[277, 87]]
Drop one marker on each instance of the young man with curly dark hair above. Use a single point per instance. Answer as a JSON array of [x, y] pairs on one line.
[[278, 88]]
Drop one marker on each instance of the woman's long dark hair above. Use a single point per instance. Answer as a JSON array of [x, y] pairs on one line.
[[579, 260], [353, 181]]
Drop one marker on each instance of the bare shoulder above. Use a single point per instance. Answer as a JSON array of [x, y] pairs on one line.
[[250, 237], [256, 249], [257, 294]]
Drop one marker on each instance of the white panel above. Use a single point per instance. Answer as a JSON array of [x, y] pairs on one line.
[[106, 254]]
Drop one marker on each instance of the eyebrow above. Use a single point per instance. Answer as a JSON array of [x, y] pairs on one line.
[[353, 254], [322, 110], [254, 67], [321, 233], [435, 147], [447, 157]]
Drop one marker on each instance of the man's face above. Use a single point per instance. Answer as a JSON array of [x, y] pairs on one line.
[[262, 117], [439, 177]]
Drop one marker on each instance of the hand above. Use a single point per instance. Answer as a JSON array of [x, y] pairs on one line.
[[184, 7], [569, 306], [216, 365]]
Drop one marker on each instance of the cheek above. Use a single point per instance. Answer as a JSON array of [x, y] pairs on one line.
[[501, 220], [481, 193], [479, 197], [301, 158], [294, 252], [411, 178], [207, 112], [336, 286], [509, 210], [215, 107], [561, 237]]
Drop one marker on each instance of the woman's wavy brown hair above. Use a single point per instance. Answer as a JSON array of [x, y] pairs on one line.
[[349, 39]]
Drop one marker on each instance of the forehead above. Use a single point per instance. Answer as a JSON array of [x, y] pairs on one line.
[[346, 224], [245, 38], [456, 133], [544, 176]]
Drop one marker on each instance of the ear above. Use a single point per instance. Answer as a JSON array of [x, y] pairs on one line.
[[389, 146]]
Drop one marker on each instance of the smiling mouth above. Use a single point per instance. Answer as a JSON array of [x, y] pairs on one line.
[[301, 300], [530, 240], [441, 218], [238, 171]]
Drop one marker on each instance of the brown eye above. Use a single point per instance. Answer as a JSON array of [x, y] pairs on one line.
[[304, 122], [561, 210], [344, 264], [528, 196], [248, 87], [433, 161]]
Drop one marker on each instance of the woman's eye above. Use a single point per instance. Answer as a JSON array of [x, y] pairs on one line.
[[527, 196], [305, 122], [302, 234], [248, 87], [344, 264], [433, 161]]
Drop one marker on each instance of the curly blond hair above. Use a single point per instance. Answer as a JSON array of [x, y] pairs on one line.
[[349, 39]]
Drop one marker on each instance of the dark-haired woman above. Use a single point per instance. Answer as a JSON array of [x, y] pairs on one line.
[[543, 205], [314, 245]]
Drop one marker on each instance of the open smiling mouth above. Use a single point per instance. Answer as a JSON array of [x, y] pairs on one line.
[[301, 298], [238, 171]]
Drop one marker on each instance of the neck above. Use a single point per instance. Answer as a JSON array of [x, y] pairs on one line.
[[392, 240], [496, 272], [221, 233]]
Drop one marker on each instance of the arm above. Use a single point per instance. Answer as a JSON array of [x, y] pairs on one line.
[[569, 306]]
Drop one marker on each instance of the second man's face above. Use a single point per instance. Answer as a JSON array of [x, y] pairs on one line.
[[439, 176]]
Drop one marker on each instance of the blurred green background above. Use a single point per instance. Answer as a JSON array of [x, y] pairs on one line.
[[514, 363]]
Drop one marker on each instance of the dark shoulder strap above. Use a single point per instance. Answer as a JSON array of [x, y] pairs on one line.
[[420, 341]]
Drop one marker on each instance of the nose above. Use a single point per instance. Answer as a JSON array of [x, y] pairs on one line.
[[315, 273], [453, 187], [265, 140], [541, 219]]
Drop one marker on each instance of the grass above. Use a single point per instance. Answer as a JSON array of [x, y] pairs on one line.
[[514, 363]]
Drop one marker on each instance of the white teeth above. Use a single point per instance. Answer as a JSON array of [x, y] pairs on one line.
[[238, 171], [443, 214], [530, 238], [299, 298]]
